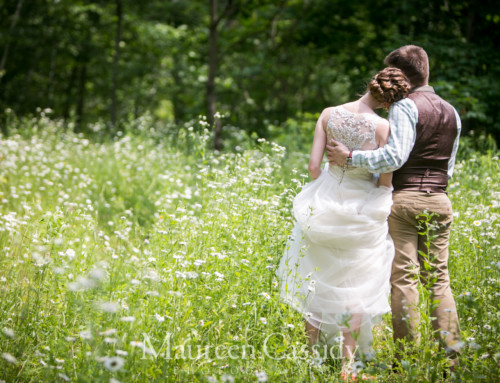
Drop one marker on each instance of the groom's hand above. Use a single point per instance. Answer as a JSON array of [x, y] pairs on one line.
[[337, 153]]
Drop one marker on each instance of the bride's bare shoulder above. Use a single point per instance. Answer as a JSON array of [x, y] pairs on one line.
[[357, 107], [328, 110], [351, 106], [326, 113]]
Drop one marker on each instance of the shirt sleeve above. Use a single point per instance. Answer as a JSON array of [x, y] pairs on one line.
[[451, 162], [403, 118]]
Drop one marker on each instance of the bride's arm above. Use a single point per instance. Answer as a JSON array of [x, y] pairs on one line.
[[382, 136], [318, 148], [385, 179]]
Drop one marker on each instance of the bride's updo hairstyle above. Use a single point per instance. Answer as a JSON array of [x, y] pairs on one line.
[[389, 85]]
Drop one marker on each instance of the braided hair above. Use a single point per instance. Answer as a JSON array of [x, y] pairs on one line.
[[389, 85]]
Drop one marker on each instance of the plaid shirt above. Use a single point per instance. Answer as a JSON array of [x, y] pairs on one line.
[[403, 118]]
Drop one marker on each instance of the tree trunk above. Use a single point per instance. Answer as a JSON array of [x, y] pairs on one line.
[[52, 71], [119, 15], [177, 101], [212, 73], [81, 97], [15, 18], [69, 95], [470, 25]]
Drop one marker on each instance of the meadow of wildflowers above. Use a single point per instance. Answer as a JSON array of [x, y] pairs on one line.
[[150, 258]]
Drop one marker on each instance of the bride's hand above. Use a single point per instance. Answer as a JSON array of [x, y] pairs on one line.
[[337, 153]]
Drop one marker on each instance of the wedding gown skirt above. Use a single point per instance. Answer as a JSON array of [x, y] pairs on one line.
[[337, 264]]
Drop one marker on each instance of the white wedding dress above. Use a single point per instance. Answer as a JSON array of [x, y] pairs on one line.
[[337, 264]]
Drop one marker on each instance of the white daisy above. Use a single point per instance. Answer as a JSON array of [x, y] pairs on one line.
[[261, 376], [64, 377], [108, 307], [8, 332], [85, 334], [9, 357], [127, 319], [108, 332], [113, 363]]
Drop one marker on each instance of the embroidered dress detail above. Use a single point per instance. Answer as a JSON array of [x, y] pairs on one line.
[[354, 130]]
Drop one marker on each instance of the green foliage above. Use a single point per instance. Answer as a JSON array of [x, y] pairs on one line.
[[133, 249], [472, 143], [277, 61]]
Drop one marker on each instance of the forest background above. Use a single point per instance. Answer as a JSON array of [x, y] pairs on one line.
[[121, 225], [268, 67]]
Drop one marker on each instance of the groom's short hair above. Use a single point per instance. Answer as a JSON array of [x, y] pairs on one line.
[[413, 62]]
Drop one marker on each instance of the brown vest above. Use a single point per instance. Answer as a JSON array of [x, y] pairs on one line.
[[427, 167]]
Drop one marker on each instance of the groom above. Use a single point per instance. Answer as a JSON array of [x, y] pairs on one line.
[[421, 151]]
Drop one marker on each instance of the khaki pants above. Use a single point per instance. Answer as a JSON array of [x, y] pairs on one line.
[[408, 266]]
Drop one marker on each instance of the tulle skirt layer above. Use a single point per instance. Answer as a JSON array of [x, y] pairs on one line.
[[336, 267]]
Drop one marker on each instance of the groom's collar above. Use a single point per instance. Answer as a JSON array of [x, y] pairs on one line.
[[423, 88]]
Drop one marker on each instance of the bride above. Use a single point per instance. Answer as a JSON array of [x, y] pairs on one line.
[[337, 263]]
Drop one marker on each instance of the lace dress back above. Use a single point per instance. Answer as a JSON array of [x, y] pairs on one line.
[[354, 130]]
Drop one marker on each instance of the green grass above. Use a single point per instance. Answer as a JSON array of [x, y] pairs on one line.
[[125, 260]]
